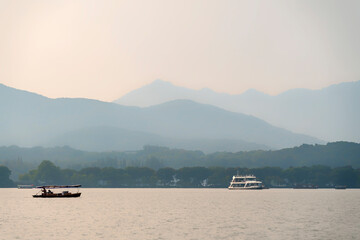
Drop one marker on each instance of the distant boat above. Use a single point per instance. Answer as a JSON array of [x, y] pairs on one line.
[[305, 186], [25, 186], [340, 187], [245, 182], [45, 192]]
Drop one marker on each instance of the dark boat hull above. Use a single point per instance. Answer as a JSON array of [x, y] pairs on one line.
[[70, 195]]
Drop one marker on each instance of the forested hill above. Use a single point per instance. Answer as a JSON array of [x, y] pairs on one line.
[[21, 160], [332, 154]]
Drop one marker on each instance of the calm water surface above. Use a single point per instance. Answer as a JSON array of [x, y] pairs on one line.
[[182, 214]]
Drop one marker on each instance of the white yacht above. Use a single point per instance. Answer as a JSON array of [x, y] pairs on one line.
[[245, 182]]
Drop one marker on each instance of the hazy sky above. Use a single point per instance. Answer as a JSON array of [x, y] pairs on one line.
[[104, 49]]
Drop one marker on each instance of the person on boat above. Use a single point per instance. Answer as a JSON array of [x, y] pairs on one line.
[[50, 192], [44, 191]]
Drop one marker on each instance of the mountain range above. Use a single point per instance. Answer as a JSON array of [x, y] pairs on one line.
[[331, 113], [29, 119]]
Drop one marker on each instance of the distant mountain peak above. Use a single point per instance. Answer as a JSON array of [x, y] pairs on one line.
[[296, 92], [253, 91], [161, 83], [4, 89], [183, 103], [209, 90]]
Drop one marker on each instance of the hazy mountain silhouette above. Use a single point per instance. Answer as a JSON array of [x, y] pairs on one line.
[[330, 113], [107, 138], [29, 119]]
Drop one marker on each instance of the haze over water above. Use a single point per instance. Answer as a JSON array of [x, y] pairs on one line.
[[182, 214]]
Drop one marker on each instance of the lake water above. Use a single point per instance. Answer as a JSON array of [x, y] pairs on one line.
[[182, 214]]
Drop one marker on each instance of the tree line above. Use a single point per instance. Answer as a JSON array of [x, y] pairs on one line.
[[337, 154], [218, 177], [5, 180]]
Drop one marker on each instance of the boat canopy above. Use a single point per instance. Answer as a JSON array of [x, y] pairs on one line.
[[59, 186]]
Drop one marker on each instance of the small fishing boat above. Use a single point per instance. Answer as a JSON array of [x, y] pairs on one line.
[[46, 192]]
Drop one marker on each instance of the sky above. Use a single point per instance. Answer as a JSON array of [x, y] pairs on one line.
[[104, 49]]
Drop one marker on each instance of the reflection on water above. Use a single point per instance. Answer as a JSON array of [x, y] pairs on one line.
[[182, 214]]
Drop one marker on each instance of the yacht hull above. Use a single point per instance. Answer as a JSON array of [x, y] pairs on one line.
[[245, 188]]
